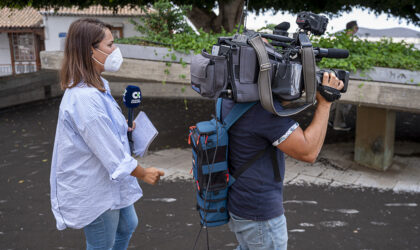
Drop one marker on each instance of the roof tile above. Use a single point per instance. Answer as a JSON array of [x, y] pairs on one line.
[[24, 18], [31, 18], [94, 10]]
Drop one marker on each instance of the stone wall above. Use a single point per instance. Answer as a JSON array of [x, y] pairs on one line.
[[29, 87]]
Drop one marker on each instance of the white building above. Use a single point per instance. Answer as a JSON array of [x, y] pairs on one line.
[[56, 24], [21, 39], [24, 33], [397, 34]]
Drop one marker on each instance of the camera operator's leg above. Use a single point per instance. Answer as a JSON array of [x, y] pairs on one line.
[[262, 235], [278, 232]]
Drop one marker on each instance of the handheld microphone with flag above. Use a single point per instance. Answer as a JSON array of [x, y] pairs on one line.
[[132, 99]]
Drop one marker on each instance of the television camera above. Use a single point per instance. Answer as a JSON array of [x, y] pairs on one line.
[[246, 68]]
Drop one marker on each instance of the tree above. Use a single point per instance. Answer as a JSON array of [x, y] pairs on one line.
[[203, 16]]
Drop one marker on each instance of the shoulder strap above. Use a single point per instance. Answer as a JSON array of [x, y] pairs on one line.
[[274, 162], [235, 113], [264, 81], [219, 109], [308, 63]]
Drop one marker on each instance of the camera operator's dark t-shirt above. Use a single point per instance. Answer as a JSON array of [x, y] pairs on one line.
[[256, 195]]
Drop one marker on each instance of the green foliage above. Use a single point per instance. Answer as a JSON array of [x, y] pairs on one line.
[[185, 42], [166, 26], [363, 54], [162, 19], [366, 54]]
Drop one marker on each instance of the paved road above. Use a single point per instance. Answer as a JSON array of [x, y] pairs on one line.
[[318, 217]]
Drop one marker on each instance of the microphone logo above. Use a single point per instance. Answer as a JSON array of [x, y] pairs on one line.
[[136, 97], [132, 96]]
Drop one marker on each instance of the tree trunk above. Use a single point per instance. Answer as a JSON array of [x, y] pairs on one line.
[[229, 16]]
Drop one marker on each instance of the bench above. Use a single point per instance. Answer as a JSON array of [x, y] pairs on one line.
[[377, 101]]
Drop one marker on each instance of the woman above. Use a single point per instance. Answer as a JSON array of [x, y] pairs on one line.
[[93, 176]]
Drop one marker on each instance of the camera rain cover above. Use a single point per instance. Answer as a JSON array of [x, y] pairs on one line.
[[287, 81]]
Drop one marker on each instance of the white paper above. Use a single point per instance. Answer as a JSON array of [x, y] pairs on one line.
[[143, 134]]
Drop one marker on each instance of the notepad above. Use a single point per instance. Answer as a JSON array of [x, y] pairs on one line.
[[143, 134]]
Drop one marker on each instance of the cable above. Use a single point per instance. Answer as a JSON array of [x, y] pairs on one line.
[[208, 187], [197, 237], [205, 196]]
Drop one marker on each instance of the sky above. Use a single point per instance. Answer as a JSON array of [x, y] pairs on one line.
[[363, 18]]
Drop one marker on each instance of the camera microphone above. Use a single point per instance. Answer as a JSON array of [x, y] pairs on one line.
[[284, 26], [132, 99], [281, 29], [277, 38], [331, 53]]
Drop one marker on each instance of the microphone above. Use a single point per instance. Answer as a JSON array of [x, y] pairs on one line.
[[284, 26], [277, 38], [132, 99], [281, 29], [331, 53]]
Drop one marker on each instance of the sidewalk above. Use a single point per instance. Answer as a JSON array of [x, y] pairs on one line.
[[334, 167]]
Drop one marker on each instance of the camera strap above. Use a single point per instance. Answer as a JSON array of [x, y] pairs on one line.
[[308, 64], [264, 81]]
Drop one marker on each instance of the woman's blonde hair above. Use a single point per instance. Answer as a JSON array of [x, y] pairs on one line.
[[78, 64]]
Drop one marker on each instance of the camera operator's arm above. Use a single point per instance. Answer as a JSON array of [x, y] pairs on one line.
[[305, 145]]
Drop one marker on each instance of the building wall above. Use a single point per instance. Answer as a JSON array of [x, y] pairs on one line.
[[54, 25], [4, 49]]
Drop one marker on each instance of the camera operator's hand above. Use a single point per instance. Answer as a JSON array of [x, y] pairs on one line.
[[332, 81]]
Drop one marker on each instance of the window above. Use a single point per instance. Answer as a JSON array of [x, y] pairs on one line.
[[23, 47], [117, 32], [24, 53]]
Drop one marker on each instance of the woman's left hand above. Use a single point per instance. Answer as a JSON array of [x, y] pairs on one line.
[[131, 129]]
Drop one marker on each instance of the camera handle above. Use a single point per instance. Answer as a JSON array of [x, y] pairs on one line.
[[264, 82]]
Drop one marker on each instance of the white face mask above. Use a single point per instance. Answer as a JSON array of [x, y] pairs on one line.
[[113, 61]]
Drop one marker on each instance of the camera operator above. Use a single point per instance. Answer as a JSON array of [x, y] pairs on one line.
[[255, 201]]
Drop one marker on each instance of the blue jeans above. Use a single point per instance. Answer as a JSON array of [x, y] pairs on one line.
[[111, 230], [270, 234]]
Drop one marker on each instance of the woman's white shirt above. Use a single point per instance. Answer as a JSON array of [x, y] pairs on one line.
[[91, 162]]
